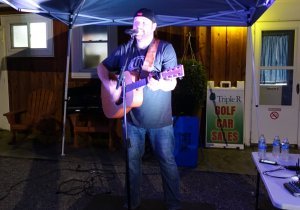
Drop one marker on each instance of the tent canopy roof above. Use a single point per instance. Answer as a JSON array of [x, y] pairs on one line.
[[168, 12]]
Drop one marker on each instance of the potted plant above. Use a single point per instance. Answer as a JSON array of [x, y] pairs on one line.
[[189, 96]]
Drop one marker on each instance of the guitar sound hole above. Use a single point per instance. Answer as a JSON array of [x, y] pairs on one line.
[[119, 101]]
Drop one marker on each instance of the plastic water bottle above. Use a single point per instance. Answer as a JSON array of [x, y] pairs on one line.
[[276, 148], [262, 147], [285, 147]]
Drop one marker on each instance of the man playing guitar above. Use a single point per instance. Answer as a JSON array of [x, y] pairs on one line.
[[152, 116]]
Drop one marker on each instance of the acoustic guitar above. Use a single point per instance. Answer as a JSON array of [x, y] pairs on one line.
[[113, 108]]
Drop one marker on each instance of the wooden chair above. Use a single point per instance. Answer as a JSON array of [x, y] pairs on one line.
[[40, 107]]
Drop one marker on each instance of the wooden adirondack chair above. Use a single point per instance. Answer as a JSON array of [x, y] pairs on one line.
[[40, 106]]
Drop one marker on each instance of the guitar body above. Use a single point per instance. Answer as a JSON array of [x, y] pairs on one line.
[[114, 108]]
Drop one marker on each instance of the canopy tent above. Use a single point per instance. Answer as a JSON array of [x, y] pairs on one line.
[[119, 12], [169, 12]]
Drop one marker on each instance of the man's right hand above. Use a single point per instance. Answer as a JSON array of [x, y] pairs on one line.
[[110, 85]]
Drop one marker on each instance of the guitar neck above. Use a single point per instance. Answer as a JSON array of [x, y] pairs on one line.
[[177, 72], [135, 85]]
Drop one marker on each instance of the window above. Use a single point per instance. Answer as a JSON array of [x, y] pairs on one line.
[[19, 35], [32, 36], [276, 67], [90, 45], [28, 35]]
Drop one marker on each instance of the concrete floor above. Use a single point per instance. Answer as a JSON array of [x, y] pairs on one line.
[[34, 175]]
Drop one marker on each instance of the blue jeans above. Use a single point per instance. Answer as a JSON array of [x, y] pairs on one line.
[[163, 143]]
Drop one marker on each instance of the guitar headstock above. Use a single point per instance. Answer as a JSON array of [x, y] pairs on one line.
[[177, 72]]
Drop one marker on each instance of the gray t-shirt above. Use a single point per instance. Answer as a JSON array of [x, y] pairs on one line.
[[156, 110]]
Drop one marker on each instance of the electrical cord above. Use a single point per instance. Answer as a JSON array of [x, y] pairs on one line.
[[295, 168], [268, 173], [86, 185], [212, 97]]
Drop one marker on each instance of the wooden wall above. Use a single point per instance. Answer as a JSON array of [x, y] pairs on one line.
[[221, 49], [29, 73]]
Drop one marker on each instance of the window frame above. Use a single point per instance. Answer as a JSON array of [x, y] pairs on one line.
[[260, 27], [25, 19], [77, 70]]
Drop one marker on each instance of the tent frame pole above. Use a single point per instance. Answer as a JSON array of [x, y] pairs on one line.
[[72, 18], [70, 32]]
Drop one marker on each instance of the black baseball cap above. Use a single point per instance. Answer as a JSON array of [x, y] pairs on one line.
[[147, 13]]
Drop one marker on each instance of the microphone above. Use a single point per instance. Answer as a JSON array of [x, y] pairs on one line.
[[131, 32]]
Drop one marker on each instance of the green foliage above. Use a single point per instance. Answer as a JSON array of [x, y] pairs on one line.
[[190, 92]]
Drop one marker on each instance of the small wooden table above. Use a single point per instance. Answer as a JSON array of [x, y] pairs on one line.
[[91, 123]]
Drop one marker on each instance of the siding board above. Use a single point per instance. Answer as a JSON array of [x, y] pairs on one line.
[[221, 49]]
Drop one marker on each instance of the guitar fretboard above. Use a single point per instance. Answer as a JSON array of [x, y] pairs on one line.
[[172, 73], [135, 85]]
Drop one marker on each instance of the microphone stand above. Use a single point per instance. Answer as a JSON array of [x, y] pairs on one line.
[[126, 140]]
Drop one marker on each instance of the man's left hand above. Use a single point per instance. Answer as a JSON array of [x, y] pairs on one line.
[[161, 84], [153, 84]]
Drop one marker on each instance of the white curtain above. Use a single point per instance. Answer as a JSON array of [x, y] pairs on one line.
[[274, 53]]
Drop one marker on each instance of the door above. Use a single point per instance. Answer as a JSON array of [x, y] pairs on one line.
[[275, 108]]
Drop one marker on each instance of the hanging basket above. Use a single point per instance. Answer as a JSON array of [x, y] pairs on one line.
[[190, 93]]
